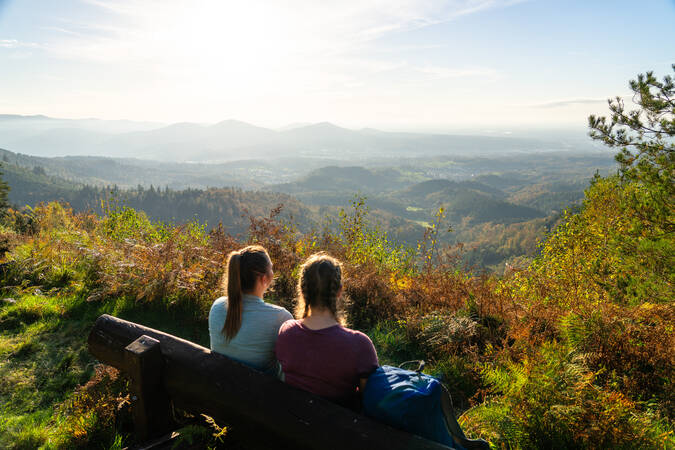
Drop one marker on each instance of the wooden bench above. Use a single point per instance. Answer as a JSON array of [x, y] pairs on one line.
[[166, 370]]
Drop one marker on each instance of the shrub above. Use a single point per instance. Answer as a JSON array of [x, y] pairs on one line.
[[93, 413], [632, 350], [280, 240], [551, 401], [369, 298]]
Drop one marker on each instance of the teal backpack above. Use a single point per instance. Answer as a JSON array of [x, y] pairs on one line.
[[416, 403]]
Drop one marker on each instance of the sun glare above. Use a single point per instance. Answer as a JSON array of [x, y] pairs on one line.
[[217, 41]]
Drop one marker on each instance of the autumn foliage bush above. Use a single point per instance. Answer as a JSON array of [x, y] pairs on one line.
[[96, 410]]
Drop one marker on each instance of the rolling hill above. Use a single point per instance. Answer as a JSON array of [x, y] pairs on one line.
[[234, 140]]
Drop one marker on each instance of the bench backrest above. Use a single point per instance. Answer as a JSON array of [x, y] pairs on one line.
[[164, 368]]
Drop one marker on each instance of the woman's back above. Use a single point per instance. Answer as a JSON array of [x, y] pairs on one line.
[[255, 341], [328, 362]]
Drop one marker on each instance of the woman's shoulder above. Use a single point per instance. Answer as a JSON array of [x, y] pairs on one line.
[[357, 336], [218, 313], [219, 304], [366, 350], [273, 307], [279, 313], [290, 326]]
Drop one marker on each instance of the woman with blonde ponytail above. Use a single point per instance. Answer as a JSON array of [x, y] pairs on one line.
[[316, 352], [241, 325]]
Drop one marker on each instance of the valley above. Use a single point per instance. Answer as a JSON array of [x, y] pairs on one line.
[[498, 206]]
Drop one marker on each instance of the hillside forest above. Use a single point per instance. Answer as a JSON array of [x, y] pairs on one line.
[[498, 207], [567, 342]]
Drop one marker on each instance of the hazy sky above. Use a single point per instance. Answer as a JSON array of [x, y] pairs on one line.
[[385, 63]]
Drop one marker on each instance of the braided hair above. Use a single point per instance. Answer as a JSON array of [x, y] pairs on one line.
[[319, 284]]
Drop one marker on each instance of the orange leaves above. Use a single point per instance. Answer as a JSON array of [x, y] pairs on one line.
[[93, 408]]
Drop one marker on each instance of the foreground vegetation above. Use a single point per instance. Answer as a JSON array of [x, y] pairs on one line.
[[576, 351], [534, 363]]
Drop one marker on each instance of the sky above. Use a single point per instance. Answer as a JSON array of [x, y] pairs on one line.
[[396, 65]]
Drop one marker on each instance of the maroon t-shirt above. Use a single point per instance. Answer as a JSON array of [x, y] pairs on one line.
[[327, 362]]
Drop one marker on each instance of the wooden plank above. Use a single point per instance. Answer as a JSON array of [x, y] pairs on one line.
[[200, 381], [150, 403]]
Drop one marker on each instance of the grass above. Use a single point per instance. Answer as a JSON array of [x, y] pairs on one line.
[[391, 343], [44, 358]]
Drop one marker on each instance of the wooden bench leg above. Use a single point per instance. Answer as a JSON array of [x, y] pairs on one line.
[[150, 404]]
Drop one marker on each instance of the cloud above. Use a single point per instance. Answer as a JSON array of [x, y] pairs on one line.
[[245, 42], [63, 30], [310, 26], [452, 72], [13, 43], [262, 57], [570, 102], [20, 55], [410, 48], [119, 7]]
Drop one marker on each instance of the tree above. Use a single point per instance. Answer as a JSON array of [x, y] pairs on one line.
[[646, 139], [620, 246], [39, 170], [4, 191]]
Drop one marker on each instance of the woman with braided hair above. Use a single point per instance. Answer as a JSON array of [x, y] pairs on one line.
[[316, 352], [241, 325]]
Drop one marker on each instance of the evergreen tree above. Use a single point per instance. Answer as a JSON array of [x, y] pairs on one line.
[[646, 139], [620, 246], [4, 191]]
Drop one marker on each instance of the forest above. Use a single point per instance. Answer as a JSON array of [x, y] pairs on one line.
[[497, 206]]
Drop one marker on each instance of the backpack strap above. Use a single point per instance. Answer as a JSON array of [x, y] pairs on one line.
[[453, 427], [420, 364]]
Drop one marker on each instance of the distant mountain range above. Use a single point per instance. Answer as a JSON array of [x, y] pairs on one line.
[[234, 140]]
